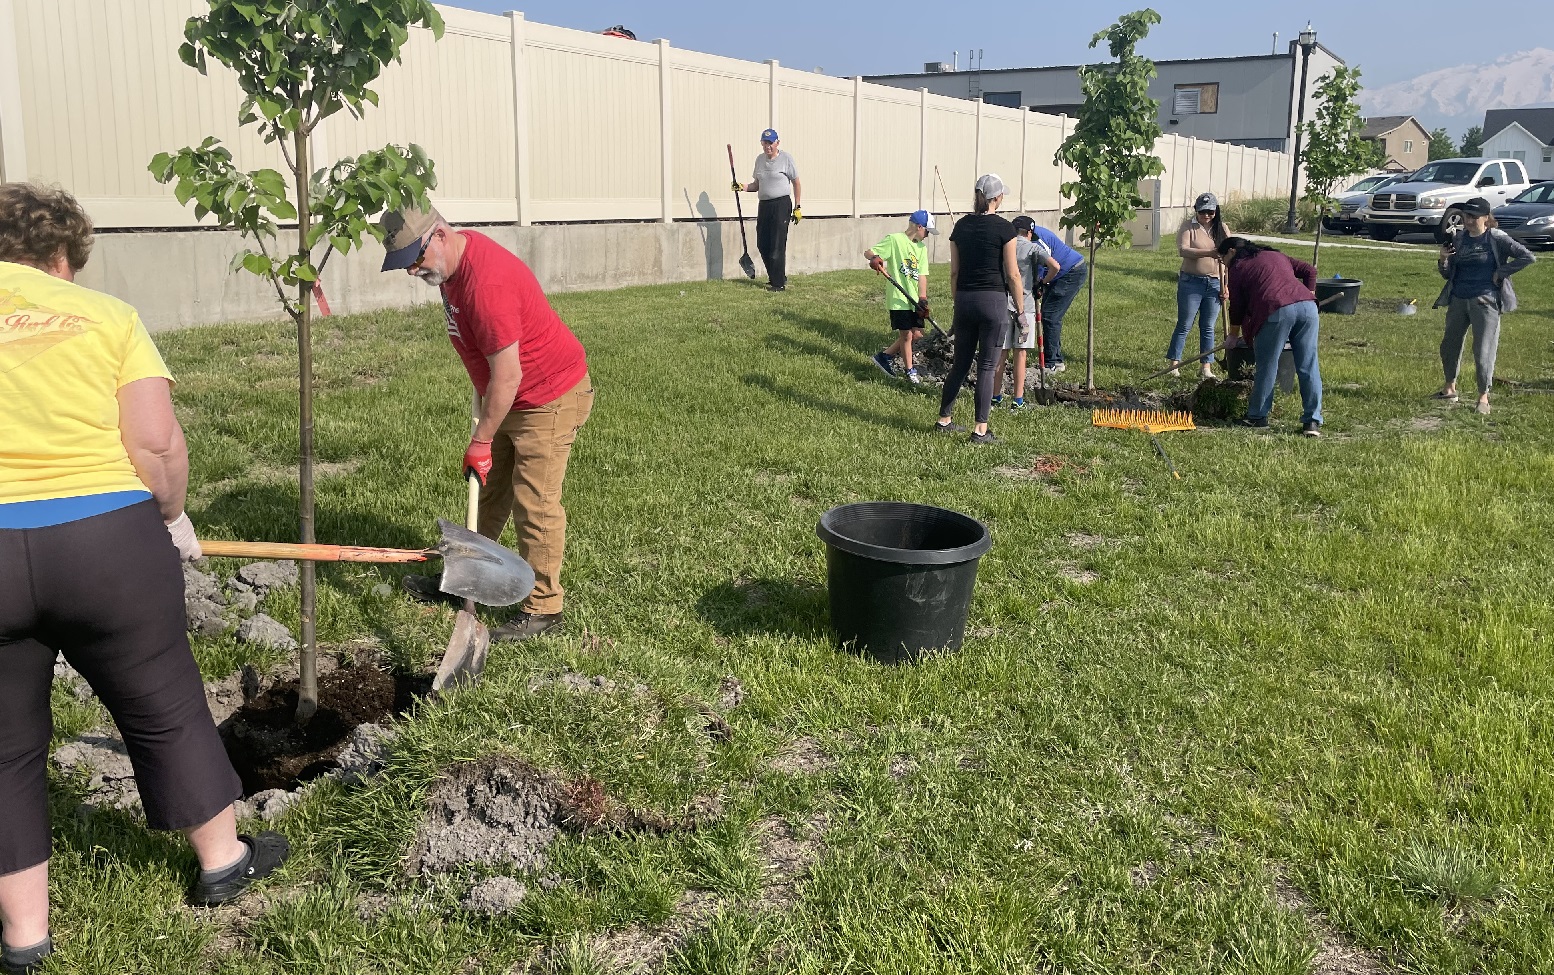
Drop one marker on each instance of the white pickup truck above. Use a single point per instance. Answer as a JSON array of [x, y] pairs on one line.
[[1430, 201]]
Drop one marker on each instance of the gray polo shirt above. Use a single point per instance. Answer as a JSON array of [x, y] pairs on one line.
[[775, 176]]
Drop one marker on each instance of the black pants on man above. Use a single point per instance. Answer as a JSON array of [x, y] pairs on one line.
[[771, 237]]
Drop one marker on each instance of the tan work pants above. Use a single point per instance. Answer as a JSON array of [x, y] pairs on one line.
[[528, 466]]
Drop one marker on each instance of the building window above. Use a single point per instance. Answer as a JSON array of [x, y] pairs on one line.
[[1008, 99], [1548, 154], [1408, 145], [1195, 100], [1519, 154]]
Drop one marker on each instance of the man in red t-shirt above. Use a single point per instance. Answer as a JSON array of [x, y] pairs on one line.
[[532, 375]]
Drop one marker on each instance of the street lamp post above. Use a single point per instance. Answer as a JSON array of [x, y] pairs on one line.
[[1308, 40]]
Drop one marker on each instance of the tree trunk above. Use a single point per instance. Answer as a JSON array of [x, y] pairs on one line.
[[307, 697], [1090, 331], [1317, 247]]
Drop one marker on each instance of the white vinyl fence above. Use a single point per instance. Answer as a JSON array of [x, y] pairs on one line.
[[530, 123]]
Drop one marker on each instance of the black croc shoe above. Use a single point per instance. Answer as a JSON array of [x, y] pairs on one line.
[[266, 852], [26, 961]]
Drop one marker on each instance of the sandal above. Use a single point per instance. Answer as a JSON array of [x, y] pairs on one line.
[[1448, 397]]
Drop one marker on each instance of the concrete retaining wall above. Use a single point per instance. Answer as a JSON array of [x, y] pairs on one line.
[[182, 278]]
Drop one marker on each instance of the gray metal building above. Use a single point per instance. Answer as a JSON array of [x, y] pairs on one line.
[[1247, 101]]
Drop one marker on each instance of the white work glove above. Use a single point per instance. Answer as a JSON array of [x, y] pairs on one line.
[[1027, 322], [182, 531]]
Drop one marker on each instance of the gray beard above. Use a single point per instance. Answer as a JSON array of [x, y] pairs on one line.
[[432, 278]]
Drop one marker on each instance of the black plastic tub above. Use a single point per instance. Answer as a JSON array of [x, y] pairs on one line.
[[900, 576], [1338, 296]]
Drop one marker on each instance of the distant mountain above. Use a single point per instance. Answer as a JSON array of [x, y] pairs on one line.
[[1458, 97]]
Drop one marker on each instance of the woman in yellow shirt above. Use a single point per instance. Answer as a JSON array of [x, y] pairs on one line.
[[93, 472]]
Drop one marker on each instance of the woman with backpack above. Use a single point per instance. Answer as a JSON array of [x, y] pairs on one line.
[[1477, 264]]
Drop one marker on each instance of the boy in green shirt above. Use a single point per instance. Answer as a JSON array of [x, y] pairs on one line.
[[904, 259]]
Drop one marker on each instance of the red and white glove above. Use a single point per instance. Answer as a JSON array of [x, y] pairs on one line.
[[181, 529], [878, 264], [477, 460]]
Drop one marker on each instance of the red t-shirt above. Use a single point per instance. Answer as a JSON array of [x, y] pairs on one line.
[[494, 300]]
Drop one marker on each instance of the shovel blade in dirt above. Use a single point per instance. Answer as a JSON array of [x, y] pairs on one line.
[[465, 658], [476, 568]]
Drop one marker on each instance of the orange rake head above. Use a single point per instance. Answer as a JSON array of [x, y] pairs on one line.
[[1150, 421]]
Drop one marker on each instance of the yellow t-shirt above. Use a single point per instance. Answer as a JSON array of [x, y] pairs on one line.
[[64, 352]]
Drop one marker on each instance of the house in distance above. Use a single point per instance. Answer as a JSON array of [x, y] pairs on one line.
[[1244, 101]]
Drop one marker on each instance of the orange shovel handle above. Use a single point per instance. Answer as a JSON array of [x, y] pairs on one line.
[[314, 553]]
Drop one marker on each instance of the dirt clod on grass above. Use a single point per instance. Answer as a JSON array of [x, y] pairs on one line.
[[494, 897], [802, 757], [503, 812], [271, 751]]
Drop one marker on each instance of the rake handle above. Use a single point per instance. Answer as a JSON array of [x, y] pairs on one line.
[[314, 553]]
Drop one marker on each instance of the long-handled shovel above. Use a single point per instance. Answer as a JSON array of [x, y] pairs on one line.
[[897, 284], [745, 263], [1197, 358]]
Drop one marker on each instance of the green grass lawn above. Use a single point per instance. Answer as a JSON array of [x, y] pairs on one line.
[[1292, 708]]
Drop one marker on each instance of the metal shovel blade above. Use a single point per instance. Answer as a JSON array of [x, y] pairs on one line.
[[475, 567], [465, 657], [747, 265]]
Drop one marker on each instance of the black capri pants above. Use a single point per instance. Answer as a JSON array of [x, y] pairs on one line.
[[771, 237], [981, 322], [107, 592]]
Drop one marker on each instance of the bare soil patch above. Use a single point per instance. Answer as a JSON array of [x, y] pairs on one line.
[[271, 751], [1334, 955], [802, 757]]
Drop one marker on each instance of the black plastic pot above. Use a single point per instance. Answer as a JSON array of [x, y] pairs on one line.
[[900, 576], [1338, 296]]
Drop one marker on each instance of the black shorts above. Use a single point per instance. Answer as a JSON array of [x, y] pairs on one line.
[[903, 321]]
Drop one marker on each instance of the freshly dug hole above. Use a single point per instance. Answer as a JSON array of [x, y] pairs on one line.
[[271, 751]]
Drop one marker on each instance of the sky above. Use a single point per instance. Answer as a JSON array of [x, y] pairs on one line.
[[1390, 42]]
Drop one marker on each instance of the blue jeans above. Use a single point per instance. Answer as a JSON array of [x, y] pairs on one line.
[[1197, 296], [1297, 325], [1054, 305]]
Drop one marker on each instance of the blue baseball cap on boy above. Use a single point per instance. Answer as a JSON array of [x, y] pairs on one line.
[[924, 219], [770, 135]]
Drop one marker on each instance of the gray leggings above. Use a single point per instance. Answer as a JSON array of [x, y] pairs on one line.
[[1484, 319]]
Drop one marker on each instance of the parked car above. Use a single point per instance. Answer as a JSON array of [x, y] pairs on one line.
[[1430, 201], [1347, 219], [1530, 217]]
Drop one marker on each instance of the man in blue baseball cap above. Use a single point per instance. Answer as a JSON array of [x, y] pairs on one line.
[[776, 179]]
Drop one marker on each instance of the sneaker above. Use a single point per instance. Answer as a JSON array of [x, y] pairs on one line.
[[997, 400], [525, 626], [1311, 428], [776, 287], [1483, 407], [984, 438], [948, 427], [1018, 404], [1057, 367], [886, 363], [913, 377], [1206, 373], [26, 961], [425, 589], [1258, 424], [266, 852]]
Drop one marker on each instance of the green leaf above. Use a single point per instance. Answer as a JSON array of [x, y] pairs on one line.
[[256, 263]]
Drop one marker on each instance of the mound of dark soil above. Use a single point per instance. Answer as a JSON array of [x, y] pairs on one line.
[[270, 750]]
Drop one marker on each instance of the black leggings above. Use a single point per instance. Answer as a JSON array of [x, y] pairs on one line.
[[107, 592], [981, 321]]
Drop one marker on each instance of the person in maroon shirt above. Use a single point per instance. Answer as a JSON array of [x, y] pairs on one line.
[[532, 376], [1272, 302]]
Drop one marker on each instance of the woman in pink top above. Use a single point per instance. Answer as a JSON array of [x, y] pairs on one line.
[[1200, 285]]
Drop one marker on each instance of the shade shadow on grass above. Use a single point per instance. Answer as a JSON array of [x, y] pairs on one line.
[[767, 607], [827, 406], [849, 365]]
